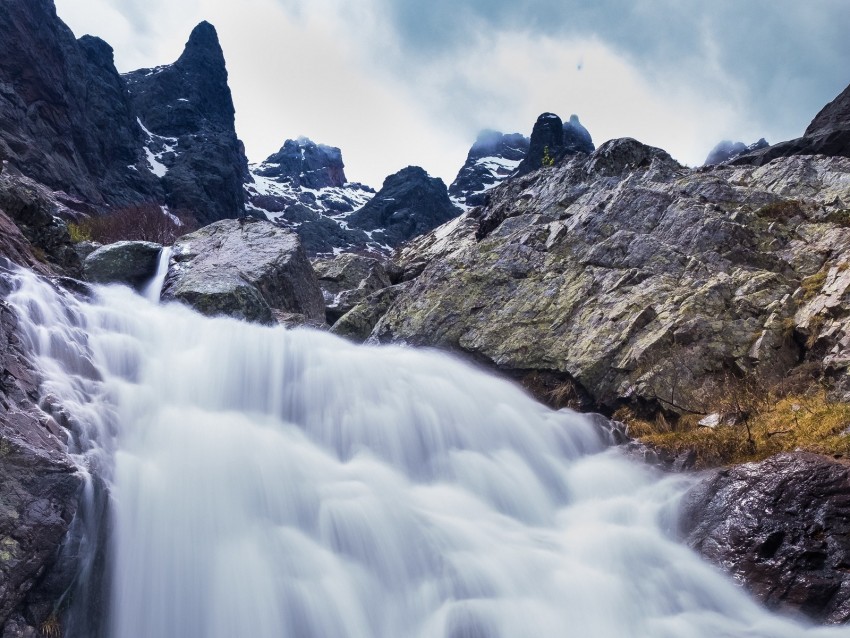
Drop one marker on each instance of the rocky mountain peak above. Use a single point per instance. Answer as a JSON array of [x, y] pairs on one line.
[[492, 158], [304, 163], [410, 203], [835, 116], [552, 140], [726, 150]]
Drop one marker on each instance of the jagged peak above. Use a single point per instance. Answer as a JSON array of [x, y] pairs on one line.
[[203, 45]]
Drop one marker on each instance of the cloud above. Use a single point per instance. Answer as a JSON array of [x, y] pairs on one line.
[[394, 82]]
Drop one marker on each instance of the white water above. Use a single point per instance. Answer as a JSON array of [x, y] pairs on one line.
[[272, 483]]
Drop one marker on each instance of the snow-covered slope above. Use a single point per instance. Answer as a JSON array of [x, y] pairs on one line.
[[303, 187], [492, 158]]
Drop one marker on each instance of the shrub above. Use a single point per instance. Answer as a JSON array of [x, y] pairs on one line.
[[144, 222]]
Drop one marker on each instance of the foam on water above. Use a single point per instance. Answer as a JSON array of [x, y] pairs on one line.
[[266, 482]]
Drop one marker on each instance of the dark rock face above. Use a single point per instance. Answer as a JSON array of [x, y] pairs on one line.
[[38, 482], [827, 134], [410, 203], [727, 150], [246, 269], [187, 122], [34, 211], [302, 162], [577, 138], [302, 187], [64, 116], [132, 263], [782, 527], [492, 158], [552, 140]]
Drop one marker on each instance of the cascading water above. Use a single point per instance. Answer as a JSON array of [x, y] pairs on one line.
[[284, 483]]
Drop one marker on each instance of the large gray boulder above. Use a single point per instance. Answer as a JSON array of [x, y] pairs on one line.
[[782, 528], [125, 262], [639, 279], [247, 269]]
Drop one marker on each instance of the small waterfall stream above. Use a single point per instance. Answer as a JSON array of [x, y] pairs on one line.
[[271, 483]]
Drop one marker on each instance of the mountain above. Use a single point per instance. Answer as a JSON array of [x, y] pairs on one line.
[[827, 134], [303, 187], [186, 115], [65, 118], [69, 121], [726, 150], [493, 157], [409, 203], [552, 140]]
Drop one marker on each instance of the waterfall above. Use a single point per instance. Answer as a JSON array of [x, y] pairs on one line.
[[271, 483]]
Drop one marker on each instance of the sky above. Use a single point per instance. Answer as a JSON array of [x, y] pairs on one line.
[[401, 82]]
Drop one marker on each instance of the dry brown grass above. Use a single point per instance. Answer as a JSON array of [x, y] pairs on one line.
[[809, 422]]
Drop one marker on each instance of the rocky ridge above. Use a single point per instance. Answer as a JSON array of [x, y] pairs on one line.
[[552, 140], [303, 187], [727, 150], [186, 115], [493, 158]]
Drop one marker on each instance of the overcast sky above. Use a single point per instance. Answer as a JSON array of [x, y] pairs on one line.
[[398, 82]]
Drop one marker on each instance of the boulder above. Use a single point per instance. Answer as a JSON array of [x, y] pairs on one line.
[[246, 269], [132, 263], [640, 279], [358, 323], [347, 280], [782, 528]]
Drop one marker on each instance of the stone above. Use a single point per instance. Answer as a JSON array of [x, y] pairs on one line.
[[782, 528], [347, 280], [552, 140], [640, 279], [132, 263], [357, 324], [245, 269]]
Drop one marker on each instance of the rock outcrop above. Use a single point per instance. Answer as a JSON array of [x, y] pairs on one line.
[[186, 116], [131, 263], [552, 140], [638, 280], [827, 134], [303, 187], [409, 204], [727, 150], [34, 212], [248, 269], [347, 280], [38, 481], [493, 158], [65, 120], [782, 528]]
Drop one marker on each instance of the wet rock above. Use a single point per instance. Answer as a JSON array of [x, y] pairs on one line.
[[358, 323], [38, 481], [782, 528], [245, 269], [132, 263]]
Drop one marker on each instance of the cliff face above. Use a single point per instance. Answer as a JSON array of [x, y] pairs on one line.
[[65, 119], [186, 116]]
